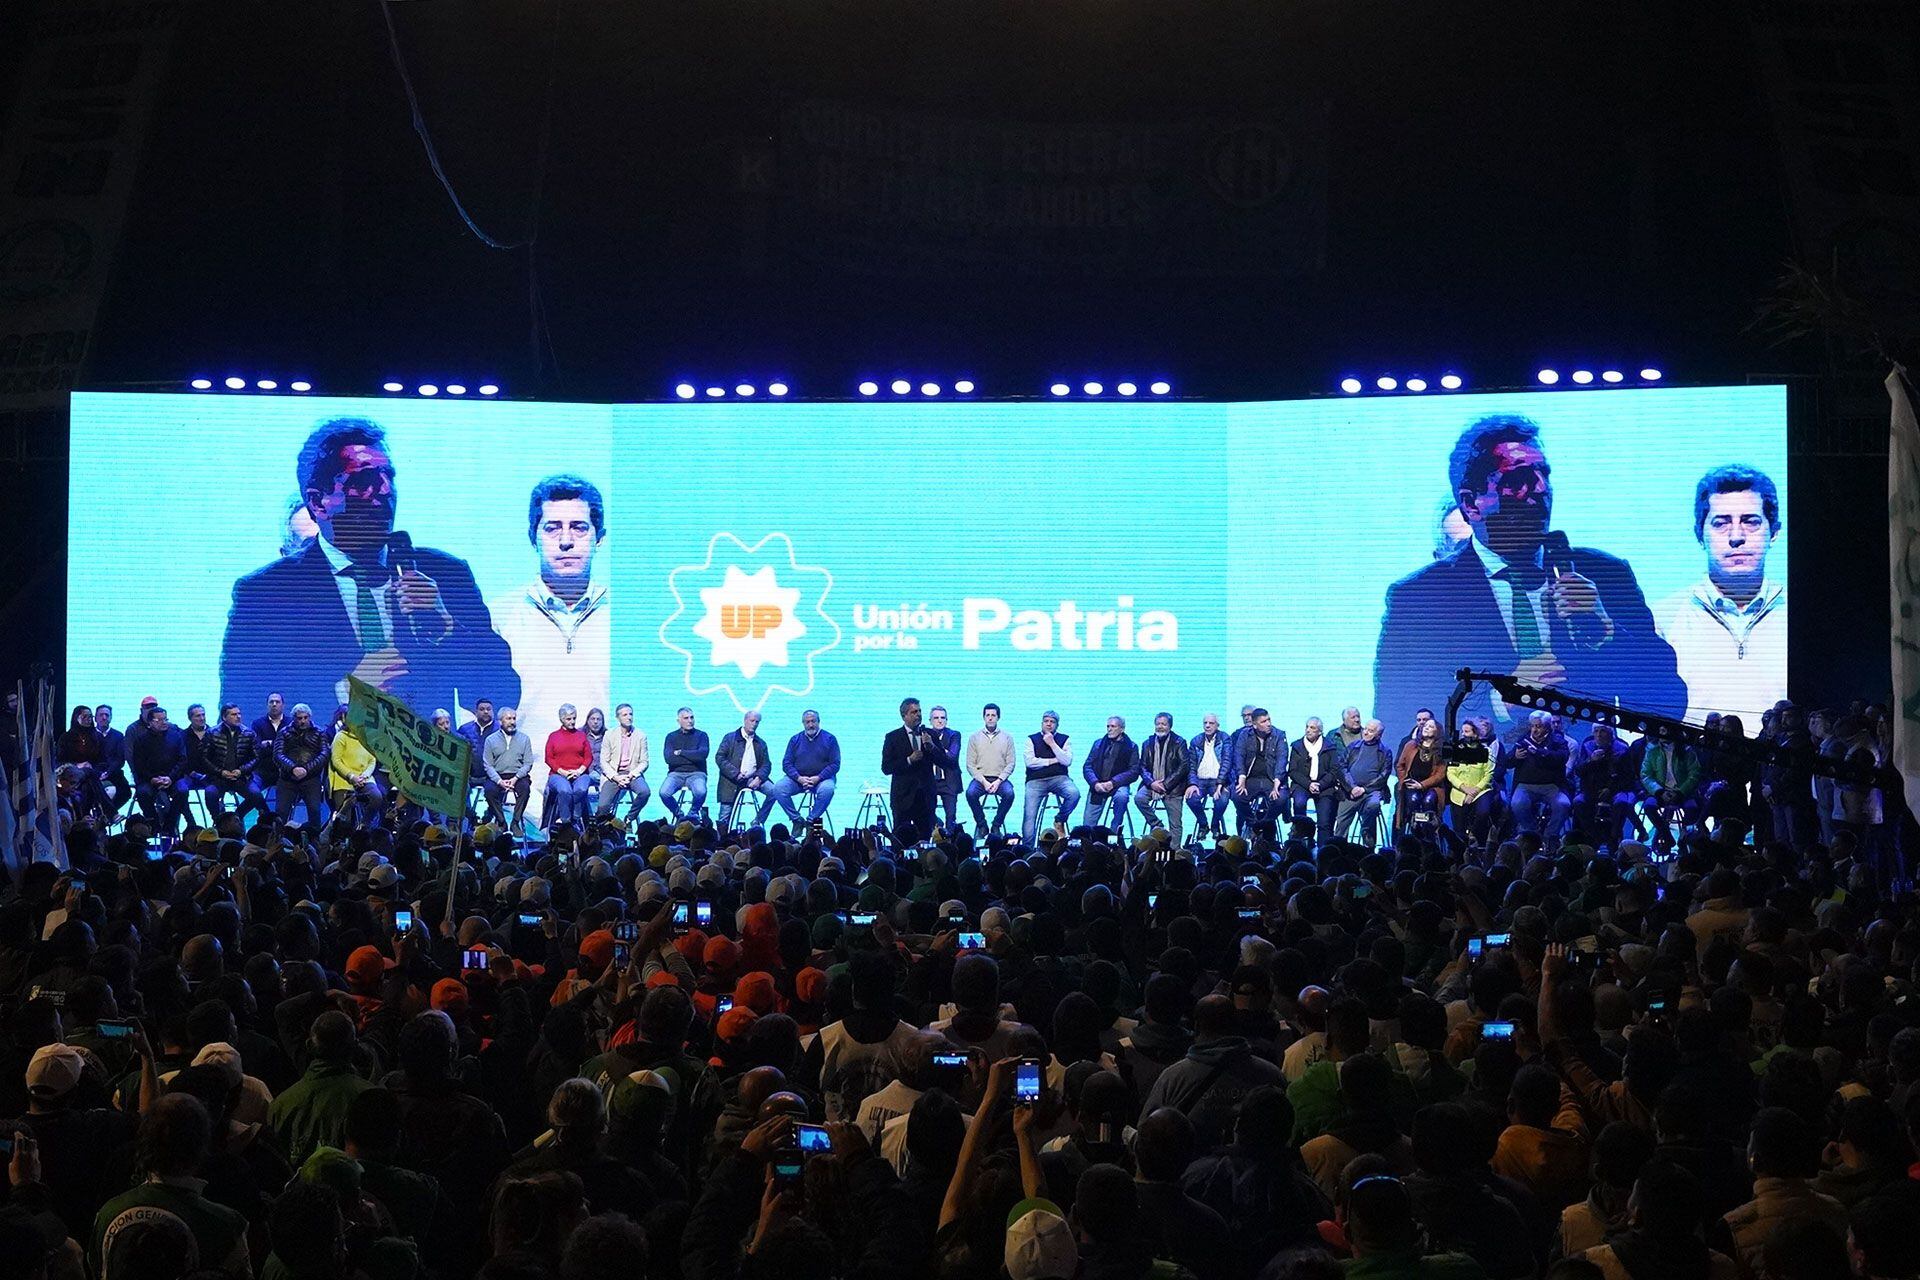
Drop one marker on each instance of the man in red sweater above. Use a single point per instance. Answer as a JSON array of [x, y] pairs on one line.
[[570, 784]]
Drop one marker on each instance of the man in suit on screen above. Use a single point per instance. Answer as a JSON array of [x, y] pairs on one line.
[[1518, 597], [360, 599]]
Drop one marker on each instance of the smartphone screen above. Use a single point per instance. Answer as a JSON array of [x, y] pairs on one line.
[[1499, 939], [957, 922], [1497, 1031], [973, 941], [626, 930], [950, 1061], [1249, 913], [1362, 889], [115, 1028], [862, 919], [722, 1004], [530, 919], [1026, 1082], [1153, 900], [474, 960], [682, 914], [402, 921], [1476, 947], [789, 1164], [621, 955], [703, 914], [813, 1139], [156, 853]]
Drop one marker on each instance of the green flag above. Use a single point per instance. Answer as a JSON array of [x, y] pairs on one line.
[[428, 765]]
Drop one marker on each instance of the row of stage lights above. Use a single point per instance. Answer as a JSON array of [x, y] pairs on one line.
[[907, 387], [302, 386], [1453, 382]]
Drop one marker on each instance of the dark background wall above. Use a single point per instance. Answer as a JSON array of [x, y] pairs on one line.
[[1489, 186]]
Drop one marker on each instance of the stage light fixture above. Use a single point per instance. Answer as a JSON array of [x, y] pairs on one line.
[[1059, 388], [714, 393], [202, 384], [1127, 389], [901, 386], [1583, 376], [1093, 389], [1416, 384], [776, 388], [301, 386], [685, 391], [428, 389], [488, 389], [1352, 386], [267, 384], [1450, 381], [963, 387], [1613, 375], [869, 388], [1160, 388], [1649, 375], [1548, 377], [929, 388], [236, 384], [391, 386], [1386, 383], [744, 389], [456, 389]]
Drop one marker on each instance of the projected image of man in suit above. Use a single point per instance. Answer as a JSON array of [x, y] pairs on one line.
[[1518, 597], [361, 600]]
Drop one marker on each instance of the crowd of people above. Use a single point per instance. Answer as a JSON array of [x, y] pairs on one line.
[[1655, 1020]]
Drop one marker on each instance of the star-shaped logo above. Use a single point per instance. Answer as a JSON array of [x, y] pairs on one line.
[[751, 618]]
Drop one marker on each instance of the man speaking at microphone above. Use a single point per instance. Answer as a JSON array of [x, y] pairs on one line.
[[908, 755], [1518, 598], [361, 600]]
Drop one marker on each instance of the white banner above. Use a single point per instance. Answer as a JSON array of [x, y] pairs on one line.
[[88, 82], [1903, 530]]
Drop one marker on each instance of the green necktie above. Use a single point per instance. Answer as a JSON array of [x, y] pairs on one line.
[[1526, 627], [373, 629]]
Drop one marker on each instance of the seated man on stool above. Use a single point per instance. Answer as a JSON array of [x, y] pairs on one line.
[[161, 782], [508, 761], [1210, 776], [1602, 791], [1112, 767], [1257, 768], [1539, 781], [1366, 775], [1163, 775], [811, 763], [623, 764], [990, 767], [569, 764], [1048, 757], [229, 755]]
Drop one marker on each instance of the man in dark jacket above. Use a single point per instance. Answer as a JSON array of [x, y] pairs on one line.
[[744, 766], [301, 757], [1221, 1069], [1366, 776], [1539, 794], [1111, 769], [229, 755], [161, 781], [908, 756], [1181, 1228], [1259, 767], [1164, 771]]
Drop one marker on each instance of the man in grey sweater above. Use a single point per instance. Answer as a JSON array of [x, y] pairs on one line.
[[508, 759]]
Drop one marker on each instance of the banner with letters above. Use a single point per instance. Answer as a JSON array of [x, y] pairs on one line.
[[427, 765]]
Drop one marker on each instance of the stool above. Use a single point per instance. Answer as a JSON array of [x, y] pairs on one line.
[[1040, 819], [873, 807], [811, 798]]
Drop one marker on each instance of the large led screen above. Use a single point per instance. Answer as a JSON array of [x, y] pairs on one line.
[[1092, 559]]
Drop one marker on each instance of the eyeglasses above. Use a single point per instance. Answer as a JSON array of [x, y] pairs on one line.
[[1518, 482], [366, 482]]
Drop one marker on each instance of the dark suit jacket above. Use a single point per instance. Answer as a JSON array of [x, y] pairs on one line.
[[1445, 617], [726, 761], [289, 632], [913, 788], [948, 740]]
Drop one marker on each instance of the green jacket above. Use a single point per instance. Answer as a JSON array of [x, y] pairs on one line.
[[1686, 768], [218, 1232], [313, 1112], [1316, 1100]]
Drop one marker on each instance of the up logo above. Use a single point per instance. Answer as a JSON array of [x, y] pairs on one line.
[[739, 621], [748, 615]]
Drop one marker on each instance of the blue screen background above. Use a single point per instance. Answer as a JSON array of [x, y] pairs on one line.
[[1270, 531]]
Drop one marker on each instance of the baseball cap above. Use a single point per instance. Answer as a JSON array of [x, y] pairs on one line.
[[223, 1058], [54, 1069], [384, 876], [1040, 1244]]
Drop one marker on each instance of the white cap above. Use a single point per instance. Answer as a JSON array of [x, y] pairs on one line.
[[1040, 1244]]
